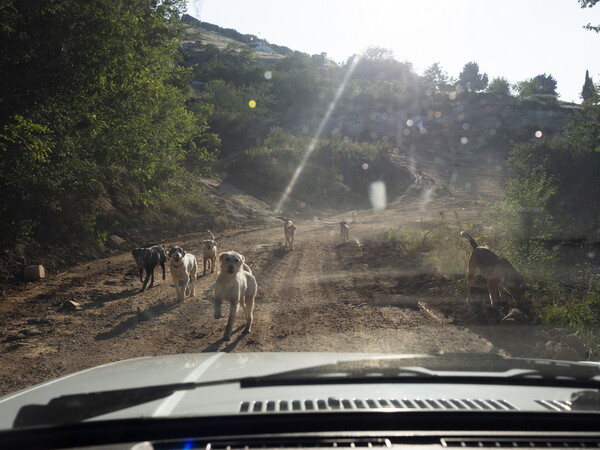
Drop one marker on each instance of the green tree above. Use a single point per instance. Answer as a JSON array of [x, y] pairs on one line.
[[93, 111], [590, 4], [471, 80], [499, 86], [539, 85], [436, 79], [588, 87]]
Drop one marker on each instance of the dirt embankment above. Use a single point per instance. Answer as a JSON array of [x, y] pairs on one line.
[[322, 296]]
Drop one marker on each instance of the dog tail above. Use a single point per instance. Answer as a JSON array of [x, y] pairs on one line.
[[211, 235], [469, 238]]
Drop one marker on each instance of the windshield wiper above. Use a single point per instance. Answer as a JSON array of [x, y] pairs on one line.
[[449, 369]]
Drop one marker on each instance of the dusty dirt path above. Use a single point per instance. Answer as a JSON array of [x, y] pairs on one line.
[[322, 296]]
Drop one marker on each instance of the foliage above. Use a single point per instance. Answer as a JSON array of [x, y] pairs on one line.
[[436, 79], [499, 86], [539, 85], [93, 112], [588, 89], [338, 172], [471, 80]]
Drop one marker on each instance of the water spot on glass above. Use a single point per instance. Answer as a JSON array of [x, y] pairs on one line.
[[365, 166], [461, 117], [498, 168], [466, 126], [374, 135], [377, 195], [463, 140], [406, 132], [252, 104], [460, 108], [268, 75], [452, 95], [410, 122], [538, 134], [468, 186], [437, 114], [493, 132], [302, 205]]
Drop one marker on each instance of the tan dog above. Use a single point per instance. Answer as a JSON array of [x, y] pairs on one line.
[[344, 231], [235, 283], [209, 253], [183, 269], [289, 231], [497, 271]]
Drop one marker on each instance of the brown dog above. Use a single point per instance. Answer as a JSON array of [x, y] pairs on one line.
[[497, 271]]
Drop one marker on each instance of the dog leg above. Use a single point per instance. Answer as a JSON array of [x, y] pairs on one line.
[[231, 319], [492, 287], [149, 272], [217, 302], [471, 270], [193, 283], [162, 264], [249, 311], [205, 262]]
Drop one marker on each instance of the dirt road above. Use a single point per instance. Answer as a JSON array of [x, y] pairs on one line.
[[322, 296]]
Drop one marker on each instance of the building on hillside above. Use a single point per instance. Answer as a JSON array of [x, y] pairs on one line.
[[260, 46]]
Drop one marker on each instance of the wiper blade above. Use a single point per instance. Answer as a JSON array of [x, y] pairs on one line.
[[449, 369], [78, 407]]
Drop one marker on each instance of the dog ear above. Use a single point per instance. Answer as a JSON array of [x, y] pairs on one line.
[[221, 256], [243, 258]]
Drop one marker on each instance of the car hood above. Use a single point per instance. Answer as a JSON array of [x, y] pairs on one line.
[[214, 397]]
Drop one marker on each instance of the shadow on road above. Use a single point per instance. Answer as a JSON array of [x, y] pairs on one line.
[[101, 299], [140, 316], [216, 346]]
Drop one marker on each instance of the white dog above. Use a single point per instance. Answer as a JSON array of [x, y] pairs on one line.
[[235, 283], [209, 253], [344, 231], [183, 270]]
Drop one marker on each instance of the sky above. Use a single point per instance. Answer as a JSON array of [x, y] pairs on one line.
[[514, 39]]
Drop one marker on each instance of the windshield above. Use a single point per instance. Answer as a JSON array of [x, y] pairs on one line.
[[390, 177]]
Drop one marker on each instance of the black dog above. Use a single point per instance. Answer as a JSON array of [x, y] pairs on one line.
[[147, 259]]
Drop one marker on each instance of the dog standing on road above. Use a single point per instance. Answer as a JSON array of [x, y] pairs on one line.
[[147, 259], [289, 231], [344, 231], [235, 284], [209, 253], [497, 271], [183, 270]]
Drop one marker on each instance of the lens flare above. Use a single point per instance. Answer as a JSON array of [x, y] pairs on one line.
[[315, 139]]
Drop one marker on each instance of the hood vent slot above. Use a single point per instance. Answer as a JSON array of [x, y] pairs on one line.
[[555, 405], [335, 404]]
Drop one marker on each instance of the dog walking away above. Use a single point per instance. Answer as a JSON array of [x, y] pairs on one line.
[[497, 271], [147, 259], [289, 231], [209, 253], [183, 270], [235, 284], [344, 231]]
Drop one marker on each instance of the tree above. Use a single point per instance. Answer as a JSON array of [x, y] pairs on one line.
[[588, 87], [93, 113], [435, 78], [499, 86], [590, 4], [539, 85], [471, 80]]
